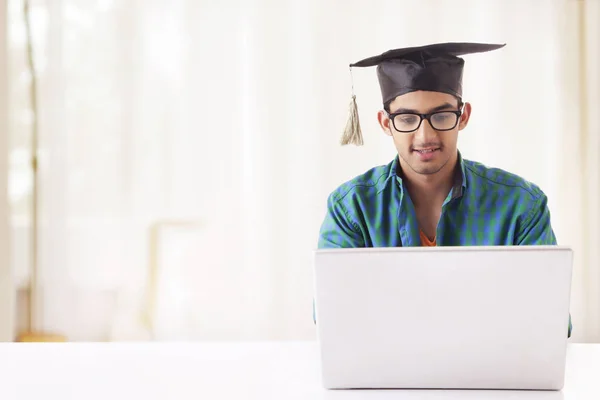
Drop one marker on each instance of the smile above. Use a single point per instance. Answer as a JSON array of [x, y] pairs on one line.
[[425, 151]]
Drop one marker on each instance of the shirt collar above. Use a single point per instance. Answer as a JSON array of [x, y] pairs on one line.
[[460, 180]]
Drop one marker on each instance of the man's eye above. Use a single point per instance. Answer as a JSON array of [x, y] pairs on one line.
[[408, 119]]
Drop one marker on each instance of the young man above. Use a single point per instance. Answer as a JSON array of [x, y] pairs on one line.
[[429, 195]]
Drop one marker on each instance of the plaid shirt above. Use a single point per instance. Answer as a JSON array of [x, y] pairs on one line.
[[486, 207]]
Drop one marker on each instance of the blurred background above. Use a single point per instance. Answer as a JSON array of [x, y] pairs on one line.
[[186, 148]]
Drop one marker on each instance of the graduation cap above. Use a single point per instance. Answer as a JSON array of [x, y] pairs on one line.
[[435, 67]]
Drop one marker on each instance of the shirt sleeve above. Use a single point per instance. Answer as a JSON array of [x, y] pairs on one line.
[[337, 229], [537, 230]]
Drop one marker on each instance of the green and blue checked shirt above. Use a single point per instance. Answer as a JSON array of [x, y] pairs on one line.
[[486, 207]]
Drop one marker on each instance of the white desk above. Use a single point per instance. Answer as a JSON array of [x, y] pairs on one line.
[[204, 371]]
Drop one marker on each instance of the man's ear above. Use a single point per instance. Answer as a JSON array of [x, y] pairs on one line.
[[464, 118], [384, 122]]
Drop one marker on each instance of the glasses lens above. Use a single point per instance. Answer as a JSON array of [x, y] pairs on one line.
[[444, 120], [406, 122]]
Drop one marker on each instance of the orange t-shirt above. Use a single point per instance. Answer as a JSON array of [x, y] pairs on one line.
[[425, 240]]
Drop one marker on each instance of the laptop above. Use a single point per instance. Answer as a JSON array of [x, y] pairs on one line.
[[443, 317]]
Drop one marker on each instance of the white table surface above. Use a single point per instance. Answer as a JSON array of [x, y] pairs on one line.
[[268, 370]]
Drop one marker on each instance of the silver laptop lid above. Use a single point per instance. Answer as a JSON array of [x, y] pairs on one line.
[[445, 317]]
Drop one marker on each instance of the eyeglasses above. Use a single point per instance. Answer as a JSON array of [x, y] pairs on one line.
[[439, 120]]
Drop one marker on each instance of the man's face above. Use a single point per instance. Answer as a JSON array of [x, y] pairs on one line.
[[425, 150]]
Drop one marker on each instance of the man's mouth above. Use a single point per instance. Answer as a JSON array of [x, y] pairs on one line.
[[427, 150]]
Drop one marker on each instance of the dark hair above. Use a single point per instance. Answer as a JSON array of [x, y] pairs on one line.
[[386, 106]]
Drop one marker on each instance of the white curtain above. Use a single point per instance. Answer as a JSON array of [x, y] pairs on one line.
[[200, 138], [578, 163], [6, 287]]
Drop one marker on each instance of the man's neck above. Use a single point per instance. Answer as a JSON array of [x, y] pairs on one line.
[[432, 189]]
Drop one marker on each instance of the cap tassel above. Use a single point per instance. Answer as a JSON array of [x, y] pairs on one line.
[[353, 133]]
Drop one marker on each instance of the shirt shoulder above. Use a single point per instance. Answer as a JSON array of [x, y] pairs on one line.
[[365, 184], [492, 178]]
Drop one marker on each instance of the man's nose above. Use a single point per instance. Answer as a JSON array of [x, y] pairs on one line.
[[425, 132]]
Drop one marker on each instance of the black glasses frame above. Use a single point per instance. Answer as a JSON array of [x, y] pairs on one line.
[[393, 116]]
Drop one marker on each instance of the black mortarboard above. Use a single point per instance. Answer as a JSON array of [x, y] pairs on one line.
[[435, 67]]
